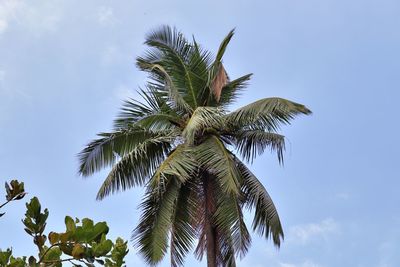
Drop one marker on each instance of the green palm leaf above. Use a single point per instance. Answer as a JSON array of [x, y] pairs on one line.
[[151, 234], [183, 230], [213, 156], [179, 164], [154, 113], [267, 114], [201, 119], [231, 91], [135, 167], [229, 221], [266, 220], [251, 143], [103, 152], [175, 50]]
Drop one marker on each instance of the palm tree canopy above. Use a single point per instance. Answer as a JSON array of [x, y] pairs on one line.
[[184, 145]]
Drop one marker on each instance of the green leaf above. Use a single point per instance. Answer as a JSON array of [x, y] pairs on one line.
[[87, 224], [70, 224], [33, 208], [151, 235], [53, 254], [265, 114], [17, 262], [266, 219], [201, 119], [251, 143], [54, 238], [5, 257], [102, 248], [78, 251], [213, 156], [66, 248], [15, 190], [134, 168], [97, 231], [179, 164], [64, 237]]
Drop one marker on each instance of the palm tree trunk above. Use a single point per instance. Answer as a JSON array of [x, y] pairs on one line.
[[209, 225]]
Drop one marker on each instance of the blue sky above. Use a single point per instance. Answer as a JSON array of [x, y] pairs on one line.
[[65, 67]]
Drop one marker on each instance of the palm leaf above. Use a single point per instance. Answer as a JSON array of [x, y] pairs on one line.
[[231, 91], [224, 45], [202, 118], [228, 219], [153, 113], [213, 156], [103, 152], [218, 77], [135, 167], [266, 220], [226, 251], [151, 234], [175, 51], [267, 114], [251, 143], [183, 232], [179, 164], [173, 93]]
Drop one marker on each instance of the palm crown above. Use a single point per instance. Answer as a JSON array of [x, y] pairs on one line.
[[179, 143]]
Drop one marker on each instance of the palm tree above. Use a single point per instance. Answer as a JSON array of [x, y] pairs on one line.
[[181, 142]]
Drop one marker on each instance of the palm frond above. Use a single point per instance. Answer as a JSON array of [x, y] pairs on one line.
[[176, 51], [202, 118], [173, 93], [183, 232], [151, 234], [218, 77], [103, 152], [266, 219], [228, 219], [251, 143], [179, 164], [199, 64], [226, 251], [169, 39], [231, 91], [213, 156], [224, 45], [135, 167], [154, 113], [267, 114]]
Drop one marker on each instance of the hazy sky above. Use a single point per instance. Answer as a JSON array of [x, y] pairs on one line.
[[65, 67]]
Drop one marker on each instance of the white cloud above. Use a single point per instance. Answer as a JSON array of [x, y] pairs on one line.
[[8, 10], [35, 16], [305, 233], [105, 16]]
